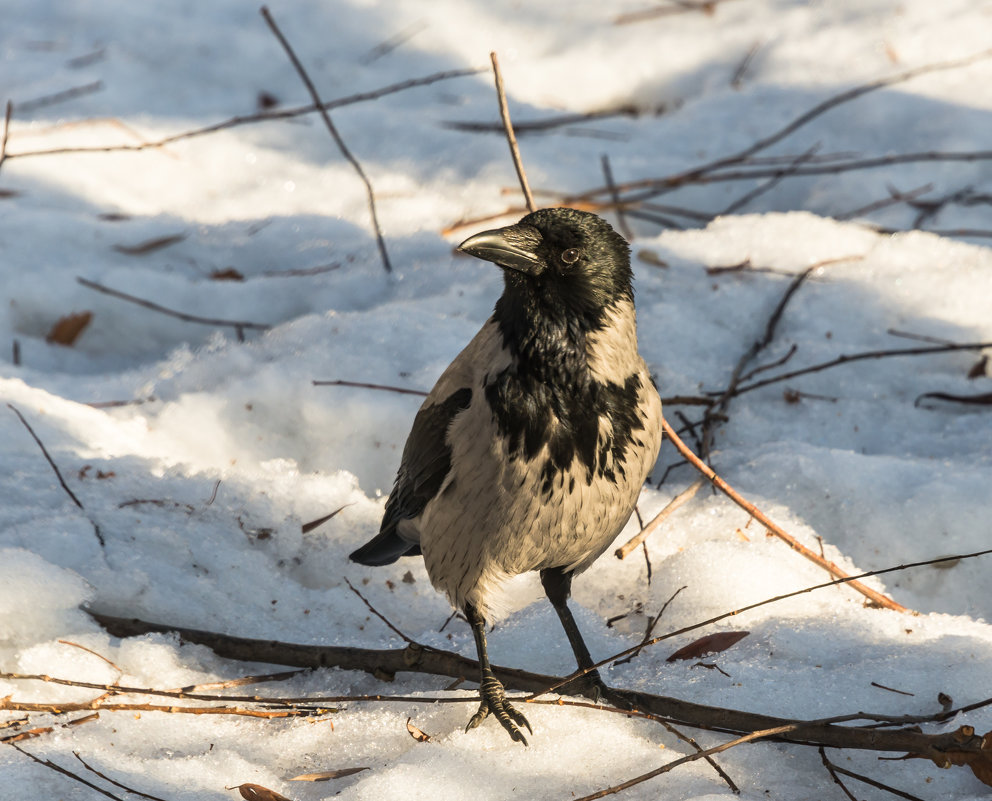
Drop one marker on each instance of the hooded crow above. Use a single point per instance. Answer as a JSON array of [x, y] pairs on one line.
[[532, 448]]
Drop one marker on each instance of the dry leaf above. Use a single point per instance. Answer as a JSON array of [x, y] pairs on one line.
[[416, 733], [67, 330], [227, 274], [978, 368], [323, 776], [710, 644], [255, 792], [150, 245]]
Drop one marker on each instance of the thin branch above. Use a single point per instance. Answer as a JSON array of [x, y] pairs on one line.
[[854, 357], [547, 123], [267, 116], [751, 509], [58, 769], [28, 106], [624, 551], [58, 473], [238, 325], [669, 766], [833, 775], [621, 217], [777, 177], [301, 71], [6, 132], [504, 113], [835, 769], [378, 614], [107, 779], [363, 385]]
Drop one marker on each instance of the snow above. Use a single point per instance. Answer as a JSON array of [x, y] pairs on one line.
[[200, 489]]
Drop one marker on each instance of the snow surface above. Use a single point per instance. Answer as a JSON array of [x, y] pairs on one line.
[[874, 478]]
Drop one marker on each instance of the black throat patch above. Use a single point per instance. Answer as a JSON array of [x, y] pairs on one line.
[[548, 397]]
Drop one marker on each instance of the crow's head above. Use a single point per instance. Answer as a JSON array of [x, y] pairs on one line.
[[565, 264]]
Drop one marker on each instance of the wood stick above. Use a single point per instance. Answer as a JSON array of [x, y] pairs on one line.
[[301, 71], [634, 542], [423, 659], [875, 597], [511, 138]]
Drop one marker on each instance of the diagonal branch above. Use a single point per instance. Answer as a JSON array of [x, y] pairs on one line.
[[334, 133], [504, 113]]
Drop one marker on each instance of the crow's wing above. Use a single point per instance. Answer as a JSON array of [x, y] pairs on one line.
[[426, 462]]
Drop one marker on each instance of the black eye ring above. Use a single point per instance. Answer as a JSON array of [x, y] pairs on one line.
[[570, 256]]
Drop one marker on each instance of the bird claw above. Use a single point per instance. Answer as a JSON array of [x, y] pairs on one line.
[[494, 701]]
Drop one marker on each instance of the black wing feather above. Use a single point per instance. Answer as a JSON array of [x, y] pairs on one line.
[[426, 462]]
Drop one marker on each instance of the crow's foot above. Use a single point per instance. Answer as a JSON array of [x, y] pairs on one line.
[[494, 701]]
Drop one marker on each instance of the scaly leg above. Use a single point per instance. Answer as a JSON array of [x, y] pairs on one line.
[[558, 586], [490, 688]]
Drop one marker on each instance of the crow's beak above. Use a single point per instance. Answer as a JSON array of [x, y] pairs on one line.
[[513, 247]]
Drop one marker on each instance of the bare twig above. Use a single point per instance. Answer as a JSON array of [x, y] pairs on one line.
[[738, 79], [751, 509], [363, 385], [833, 775], [6, 132], [623, 551], [835, 769], [249, 119], [58, 474], [771, 183], [666, 768], [379, 614], [547, 123], [301, 71], [621, 217], [854, 357], [677, 7], [238, 325], [107, 779], [59, 769], [27, 106], [504, 113]]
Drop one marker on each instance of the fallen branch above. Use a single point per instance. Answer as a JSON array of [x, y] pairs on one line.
[[301, 71], [854, 357], [751, 509], [683, 497], [238, 325], [58, 473], [249, 119], [941, 748]]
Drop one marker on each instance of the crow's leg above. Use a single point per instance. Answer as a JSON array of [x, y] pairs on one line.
[[558, 586], [490, 688]]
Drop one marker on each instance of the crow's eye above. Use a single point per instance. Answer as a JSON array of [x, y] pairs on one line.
[[570, 256]]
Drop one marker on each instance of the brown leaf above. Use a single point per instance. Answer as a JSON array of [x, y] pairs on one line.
[[978, 368], [710, 644], [324, 775], [68, 329], [227, 274], [255, 792], [416, 733], [150, 245]]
